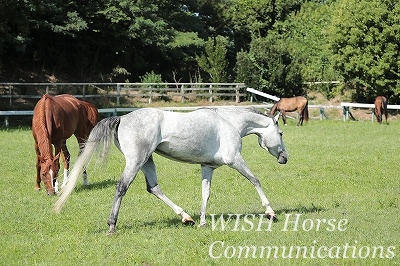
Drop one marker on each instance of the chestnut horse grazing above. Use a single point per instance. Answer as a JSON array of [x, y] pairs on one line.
[[298, 103], [381, 108], [55, 119]]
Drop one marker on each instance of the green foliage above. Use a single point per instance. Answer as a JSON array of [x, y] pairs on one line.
[[331, 174], [214, 60], [151, 77], [270, 67], [364, 37], [74, 23], [257, 17], [352, 41]]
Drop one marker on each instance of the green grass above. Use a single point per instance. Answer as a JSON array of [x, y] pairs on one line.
[[337, 170]]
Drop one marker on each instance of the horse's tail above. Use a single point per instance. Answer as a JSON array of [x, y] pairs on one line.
[[305, 111], [384, 106], [103, 133]]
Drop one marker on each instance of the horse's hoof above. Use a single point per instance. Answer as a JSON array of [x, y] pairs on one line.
[[188, 221], [272, 216], [37, 188], [110, 233], [203, 225], [111, 230]]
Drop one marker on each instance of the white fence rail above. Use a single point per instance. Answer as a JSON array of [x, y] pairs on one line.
[[347, 105]]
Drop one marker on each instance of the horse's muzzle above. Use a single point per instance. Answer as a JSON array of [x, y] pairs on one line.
[[283, 157]]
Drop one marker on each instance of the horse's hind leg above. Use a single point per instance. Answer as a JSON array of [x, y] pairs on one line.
[[81, 144], [149, 170], [66, 159], [301, 117], [386, 114], [123, 184]]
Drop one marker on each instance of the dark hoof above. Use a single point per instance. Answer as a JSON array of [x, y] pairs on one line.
[[188, 221], [272, 216]]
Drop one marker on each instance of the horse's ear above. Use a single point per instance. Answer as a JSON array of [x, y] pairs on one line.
[[277, 116]]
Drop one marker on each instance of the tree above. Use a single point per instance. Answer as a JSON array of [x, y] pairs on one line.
[[249, 19], [365, 37], [269, 66], [305, 33], [214, 60]]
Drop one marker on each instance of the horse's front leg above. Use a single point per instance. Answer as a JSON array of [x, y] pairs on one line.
[[206, 173], [149, 170], [283, 113], [240, 165]]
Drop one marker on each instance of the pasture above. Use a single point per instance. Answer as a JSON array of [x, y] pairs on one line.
[[341, 183]]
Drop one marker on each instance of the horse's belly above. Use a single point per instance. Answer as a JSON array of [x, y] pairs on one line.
[[187, 153]]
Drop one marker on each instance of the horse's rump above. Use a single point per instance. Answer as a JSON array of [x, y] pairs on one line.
[[381, 108]]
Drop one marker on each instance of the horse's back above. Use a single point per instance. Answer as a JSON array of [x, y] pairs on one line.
[[64, 115], [292, 104], [190, 137], [149, 121]]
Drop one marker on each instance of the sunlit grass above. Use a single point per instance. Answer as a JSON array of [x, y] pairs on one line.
[[336, 170]]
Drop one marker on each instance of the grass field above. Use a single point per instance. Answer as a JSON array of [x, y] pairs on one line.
[[341, 183]]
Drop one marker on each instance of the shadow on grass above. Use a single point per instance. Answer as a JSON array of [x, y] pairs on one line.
[[301, 209], [98, 185], [175, 221]]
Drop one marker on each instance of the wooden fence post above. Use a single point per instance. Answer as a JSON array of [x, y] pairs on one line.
[[237, 93], [182, 94], [211, 94], [118, 93], [10, 92], [150, 93]]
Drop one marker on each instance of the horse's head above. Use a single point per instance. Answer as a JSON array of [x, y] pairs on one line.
[[48, 173], [270, 138]]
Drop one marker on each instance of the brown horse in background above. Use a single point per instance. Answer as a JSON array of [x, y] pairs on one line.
[[55, 119], [298, 103], [381, 108]]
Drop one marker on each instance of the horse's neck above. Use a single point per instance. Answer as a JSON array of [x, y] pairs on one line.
[[248, 122], [274, 108]]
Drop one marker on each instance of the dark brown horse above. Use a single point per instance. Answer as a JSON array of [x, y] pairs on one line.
[[55, 119], [298, 103], [381, 108]]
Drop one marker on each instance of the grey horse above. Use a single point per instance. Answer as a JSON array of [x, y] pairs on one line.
[[211, 137]]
